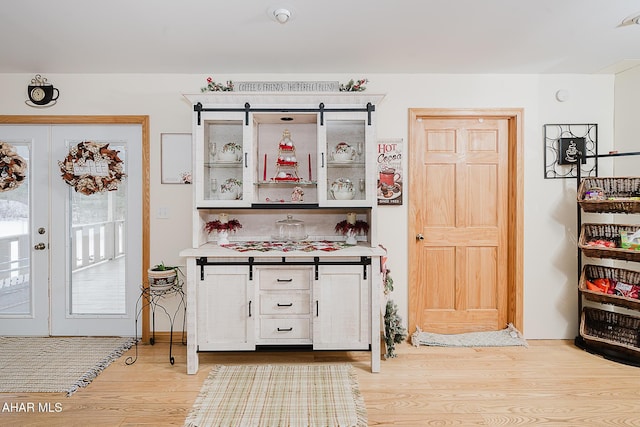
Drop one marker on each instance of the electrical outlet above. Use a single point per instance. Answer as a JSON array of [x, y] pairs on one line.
[[163, 213]]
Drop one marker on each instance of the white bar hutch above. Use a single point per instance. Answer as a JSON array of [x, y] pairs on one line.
[[327, 300]]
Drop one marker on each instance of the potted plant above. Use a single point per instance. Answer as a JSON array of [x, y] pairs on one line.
[[351, 227], [223, 225], [162, 276]]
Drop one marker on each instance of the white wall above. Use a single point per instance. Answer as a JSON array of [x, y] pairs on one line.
[[627, 125], [550, 224]]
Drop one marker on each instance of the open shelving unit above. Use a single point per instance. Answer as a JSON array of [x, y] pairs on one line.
[[605, 328]]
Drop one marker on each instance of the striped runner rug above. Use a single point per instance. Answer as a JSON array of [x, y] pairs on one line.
[[55, 364], [317, 395]]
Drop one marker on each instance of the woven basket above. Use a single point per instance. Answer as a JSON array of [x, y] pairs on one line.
[[591, 272], [610, 232], [612, 187], [611, 328]]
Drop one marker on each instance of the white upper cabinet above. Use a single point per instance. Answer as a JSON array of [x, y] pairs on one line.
[[253, 150], [223, 160], [345, 168]]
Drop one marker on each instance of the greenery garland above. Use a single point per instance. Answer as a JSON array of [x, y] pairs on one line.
[[217, 87], [394, 332], [354, 86]]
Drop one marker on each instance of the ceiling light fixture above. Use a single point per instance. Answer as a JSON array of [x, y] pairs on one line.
[[282, 15], [631, 20]]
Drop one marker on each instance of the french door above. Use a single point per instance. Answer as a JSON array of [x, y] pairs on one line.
[[70, 263]]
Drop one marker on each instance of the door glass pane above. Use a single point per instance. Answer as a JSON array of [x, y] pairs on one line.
[[223, 160], [98, 258], [346, 163], [15, 253]]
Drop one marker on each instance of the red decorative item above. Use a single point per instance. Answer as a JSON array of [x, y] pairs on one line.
[[343, 227], [216, 225]]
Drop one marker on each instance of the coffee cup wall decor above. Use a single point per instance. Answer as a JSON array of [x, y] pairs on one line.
[[41, 94]]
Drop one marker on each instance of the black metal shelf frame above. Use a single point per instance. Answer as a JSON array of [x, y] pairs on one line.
[[610, 354], [251, 262], [369, 108]]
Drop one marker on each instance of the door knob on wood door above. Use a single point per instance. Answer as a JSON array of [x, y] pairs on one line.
[[419, 236]]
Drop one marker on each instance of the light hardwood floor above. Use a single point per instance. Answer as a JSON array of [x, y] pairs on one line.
[[550, 383]]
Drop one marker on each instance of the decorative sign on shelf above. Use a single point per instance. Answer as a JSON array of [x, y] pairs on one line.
[[291, 86]]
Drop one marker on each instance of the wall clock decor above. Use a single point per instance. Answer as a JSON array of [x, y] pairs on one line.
[[91, 168], [41, 93], [12, 167]]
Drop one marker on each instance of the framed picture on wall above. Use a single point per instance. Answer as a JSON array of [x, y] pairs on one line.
[[176, 160]]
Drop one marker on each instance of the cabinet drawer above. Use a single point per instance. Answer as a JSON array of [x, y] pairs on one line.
[[284, 303], [285, 278], [285, 328]]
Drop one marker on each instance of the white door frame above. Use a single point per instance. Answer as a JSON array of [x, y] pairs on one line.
[[143, 121]]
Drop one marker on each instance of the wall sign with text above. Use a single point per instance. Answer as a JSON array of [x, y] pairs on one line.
[[389, 172]]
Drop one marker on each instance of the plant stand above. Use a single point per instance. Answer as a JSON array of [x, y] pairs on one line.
[[153, 297]]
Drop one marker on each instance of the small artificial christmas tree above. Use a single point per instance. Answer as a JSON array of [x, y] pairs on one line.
[[394, 332]]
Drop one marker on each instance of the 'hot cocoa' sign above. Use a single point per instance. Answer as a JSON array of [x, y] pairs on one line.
[[389, 172]]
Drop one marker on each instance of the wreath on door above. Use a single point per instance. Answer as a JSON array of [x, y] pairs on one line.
[[91, 168], [12, 167]]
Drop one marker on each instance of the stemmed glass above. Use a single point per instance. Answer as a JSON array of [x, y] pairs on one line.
[[213, 186], [212, 151]]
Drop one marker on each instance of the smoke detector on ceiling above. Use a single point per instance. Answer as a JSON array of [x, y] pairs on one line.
[[279, 14]]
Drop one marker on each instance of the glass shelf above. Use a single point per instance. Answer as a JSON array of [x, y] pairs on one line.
[[224, 164], [286, 184]]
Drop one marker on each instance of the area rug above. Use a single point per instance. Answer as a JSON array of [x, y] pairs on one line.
[[318, 395], [509, 336], [54, 364]]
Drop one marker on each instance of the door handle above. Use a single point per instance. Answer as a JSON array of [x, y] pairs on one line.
[[419, 236], [40, 246]]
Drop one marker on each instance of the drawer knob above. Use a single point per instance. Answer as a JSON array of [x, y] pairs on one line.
[[285, 329], [285, 305], [284, 280]]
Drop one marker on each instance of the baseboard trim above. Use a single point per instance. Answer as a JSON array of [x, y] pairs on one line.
[[165, 336]]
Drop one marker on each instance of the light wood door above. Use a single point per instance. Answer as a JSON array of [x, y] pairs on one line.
[[459, 209]]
